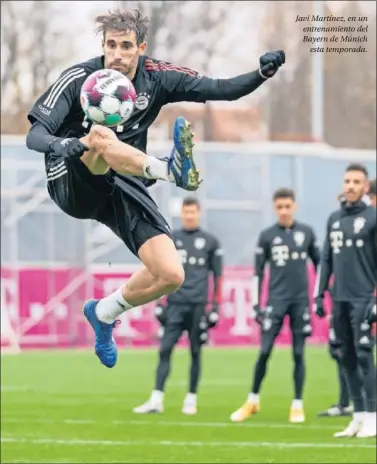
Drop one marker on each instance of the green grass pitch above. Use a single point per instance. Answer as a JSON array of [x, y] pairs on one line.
[[65, 407]]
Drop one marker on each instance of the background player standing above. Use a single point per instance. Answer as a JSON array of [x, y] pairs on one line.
[[350, 254], [201, 256], [93, 175], [342, 407], [286, 246]]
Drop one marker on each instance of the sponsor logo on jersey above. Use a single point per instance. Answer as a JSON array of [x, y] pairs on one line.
[[44, 110]]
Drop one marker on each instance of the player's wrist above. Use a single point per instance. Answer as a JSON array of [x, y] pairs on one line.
[[52, 144], [262, 75]]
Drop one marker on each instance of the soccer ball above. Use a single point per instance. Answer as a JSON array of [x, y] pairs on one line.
[[108, 97]]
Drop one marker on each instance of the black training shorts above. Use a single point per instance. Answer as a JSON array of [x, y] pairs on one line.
[[121, 203]]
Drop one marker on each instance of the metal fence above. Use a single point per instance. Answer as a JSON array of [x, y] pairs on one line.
[[235, 199], [51, 263]]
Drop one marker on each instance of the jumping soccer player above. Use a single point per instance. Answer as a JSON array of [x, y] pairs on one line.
[[286, 246], [349, 253], [93, 175], [201, 256]]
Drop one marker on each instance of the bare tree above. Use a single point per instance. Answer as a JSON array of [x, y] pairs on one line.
[[161, 29], [35, 42], [349, 82], [350, 89]]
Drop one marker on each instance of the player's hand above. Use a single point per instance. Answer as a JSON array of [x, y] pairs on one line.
[[270, 62], [319, 309], [213, 316], [161, 314], [69, 147], [370, 312], [258, 314]]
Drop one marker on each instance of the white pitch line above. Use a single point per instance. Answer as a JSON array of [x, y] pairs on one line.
[[271, 425], [14, 388], [242, 444]]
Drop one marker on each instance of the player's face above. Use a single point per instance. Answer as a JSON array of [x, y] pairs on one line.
[[373, 199], [355, 185], [122, 52], [190, 217], [284, 209]]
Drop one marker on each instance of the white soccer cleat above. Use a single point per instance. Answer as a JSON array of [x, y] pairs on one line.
[[352, 430], [246, 410], [189, 409], [296, 415], [368, 429], [149, 408]]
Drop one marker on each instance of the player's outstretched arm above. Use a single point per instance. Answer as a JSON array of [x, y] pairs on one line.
[[186, 85]]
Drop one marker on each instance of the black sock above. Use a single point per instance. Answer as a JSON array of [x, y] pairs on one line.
[[298, 346], [344, 397], [259, 372], [163, 370], [299, 376], [354, 383], [368, 371], [194, 372]]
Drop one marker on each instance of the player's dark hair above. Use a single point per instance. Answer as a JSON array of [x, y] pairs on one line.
[[284, 192], [357, 167], [189, 201], [372, 187], [124, 21]]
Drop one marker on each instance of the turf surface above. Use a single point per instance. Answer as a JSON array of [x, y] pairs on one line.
[[66, 407]]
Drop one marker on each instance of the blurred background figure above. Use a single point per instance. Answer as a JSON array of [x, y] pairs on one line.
[[286, 247], [348, 254], [185, 310]]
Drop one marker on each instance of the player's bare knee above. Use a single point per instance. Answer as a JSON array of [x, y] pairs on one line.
[[100, 138], [102, 132], [172, 279]]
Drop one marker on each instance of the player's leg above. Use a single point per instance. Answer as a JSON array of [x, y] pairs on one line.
[[300, 325], [106, 151], [146, 234], [271, 326], [162, 274], [196, 325], [364, 342], [172, 332], [297, 408], [342, 407], [347, 350]]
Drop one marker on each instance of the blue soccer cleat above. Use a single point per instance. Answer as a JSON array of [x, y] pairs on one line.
[[105, 347], [181, 162]]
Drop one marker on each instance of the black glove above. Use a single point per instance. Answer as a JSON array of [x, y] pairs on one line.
[[319, 308], [68, 147], [258, 314], [213, 316], [370, 312], [161, 314], [270, 62]]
